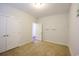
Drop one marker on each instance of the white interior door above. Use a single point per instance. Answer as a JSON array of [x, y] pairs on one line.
[[13, 29], [9, 32], [3, 36]]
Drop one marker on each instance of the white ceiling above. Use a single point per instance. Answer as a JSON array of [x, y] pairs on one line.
[[46, 10]]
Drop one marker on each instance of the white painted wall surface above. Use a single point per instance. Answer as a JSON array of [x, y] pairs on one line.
[[74, 30], [55, 28]]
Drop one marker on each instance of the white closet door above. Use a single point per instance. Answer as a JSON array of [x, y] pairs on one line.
[[3, 36], [13, 29], [9, 32]]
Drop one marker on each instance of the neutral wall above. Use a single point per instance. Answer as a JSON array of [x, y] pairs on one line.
[[25, 20], [74, 30], [55, 28]]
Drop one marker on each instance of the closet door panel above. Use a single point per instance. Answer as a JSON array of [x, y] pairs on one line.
[[3, 36], [13, 29]]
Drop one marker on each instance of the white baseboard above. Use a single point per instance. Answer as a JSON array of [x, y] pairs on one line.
[[70, 51], [21, 44], [57, 43]]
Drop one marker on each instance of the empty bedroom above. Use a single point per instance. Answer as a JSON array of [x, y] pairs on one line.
[[39, 29]]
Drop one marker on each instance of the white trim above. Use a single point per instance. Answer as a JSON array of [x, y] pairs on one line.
[[70, 51], [57, 43], [21, 44]]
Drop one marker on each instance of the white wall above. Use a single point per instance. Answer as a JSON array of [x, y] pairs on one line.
[[25, 20], [55, 28], [74, 30]]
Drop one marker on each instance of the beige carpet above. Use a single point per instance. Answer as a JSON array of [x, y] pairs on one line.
[[38, 49]]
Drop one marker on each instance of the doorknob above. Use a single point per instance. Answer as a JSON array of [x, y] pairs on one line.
[[5, 35]]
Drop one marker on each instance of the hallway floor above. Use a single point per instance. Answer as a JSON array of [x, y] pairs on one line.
[[38, 49]]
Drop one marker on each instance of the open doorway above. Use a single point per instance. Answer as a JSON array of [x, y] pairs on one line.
[[37, 34]]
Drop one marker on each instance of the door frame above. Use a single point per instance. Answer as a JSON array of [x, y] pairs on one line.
[[41, 30]]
